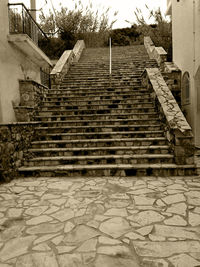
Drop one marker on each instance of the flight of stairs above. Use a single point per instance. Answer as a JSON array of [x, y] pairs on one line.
[[97, 126]]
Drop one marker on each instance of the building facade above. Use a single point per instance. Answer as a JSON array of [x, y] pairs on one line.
[[185, 16], [20, 56]]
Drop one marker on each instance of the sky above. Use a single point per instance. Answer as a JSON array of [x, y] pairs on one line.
[[125, 8]]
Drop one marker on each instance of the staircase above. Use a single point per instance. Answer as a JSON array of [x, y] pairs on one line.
[[97, 126]]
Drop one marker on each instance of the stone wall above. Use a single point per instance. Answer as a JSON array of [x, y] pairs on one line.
[[61, 68], [172, 76], [15, 140], [170, 72], [78, 49], [31, 97], [177, 129], [64, 63]]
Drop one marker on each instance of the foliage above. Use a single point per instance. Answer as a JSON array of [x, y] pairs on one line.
[[53, 47], [160, 32], [79, 23], [125, 36]]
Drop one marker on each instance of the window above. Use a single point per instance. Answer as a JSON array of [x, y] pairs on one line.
[[186, 88]]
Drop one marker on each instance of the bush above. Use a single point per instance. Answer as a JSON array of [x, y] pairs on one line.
[[125, 36], [53, 47]]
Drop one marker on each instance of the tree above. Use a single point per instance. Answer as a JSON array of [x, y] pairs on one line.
[[160, 31], [82, 22]]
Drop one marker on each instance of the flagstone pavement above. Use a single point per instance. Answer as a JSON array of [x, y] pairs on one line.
[[100, 222]]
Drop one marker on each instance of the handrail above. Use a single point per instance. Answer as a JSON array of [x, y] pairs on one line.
[[21, 21]]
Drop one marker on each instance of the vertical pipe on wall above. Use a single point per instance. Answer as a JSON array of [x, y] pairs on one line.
[[194, 37], [33, 8]]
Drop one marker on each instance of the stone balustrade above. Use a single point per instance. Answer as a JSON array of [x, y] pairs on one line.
[[172, 76], [15, 139], [171, 73], [177, 129], [64, 63], [157, 53], [61, 68], [31, 97], [78, 49]]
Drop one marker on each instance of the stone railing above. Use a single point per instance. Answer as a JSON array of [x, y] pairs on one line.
[[171, 73], [15, 139], [31, 97], [172, 76], [157, 53], [177, 129], [78, 49], [63, 64]]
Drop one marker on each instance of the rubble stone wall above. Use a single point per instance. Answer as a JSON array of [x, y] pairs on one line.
[[177, 129], [31, 97], [15, 139], [172, 76]]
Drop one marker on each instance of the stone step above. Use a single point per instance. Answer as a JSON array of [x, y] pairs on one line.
[[118, 75], [118, 170], [112, 111], [104, 83], [94, 98], [61, 125], [91, 151], [98, 116], [62, 107], [99, 77], [94, 91], [98, 72], [102, 80], [119, 62], [109, 87], [123, 67], [102, 75], [91, 93], [78, 135], [120, 91], [86, 102], [158, 141], [95, 101], [97, 159], [103, 129]]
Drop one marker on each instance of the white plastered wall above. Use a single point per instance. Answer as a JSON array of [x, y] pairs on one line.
[[14, 65], [186, 52]]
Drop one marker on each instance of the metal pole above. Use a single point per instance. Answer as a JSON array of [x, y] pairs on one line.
[[110, 68], [110, 56]]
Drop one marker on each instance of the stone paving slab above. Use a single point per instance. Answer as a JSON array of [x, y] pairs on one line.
[[93, 222]]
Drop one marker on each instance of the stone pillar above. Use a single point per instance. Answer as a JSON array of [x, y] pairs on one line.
[[183, 148]]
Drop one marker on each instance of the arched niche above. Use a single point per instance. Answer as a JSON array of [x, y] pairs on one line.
[[186, 89]]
